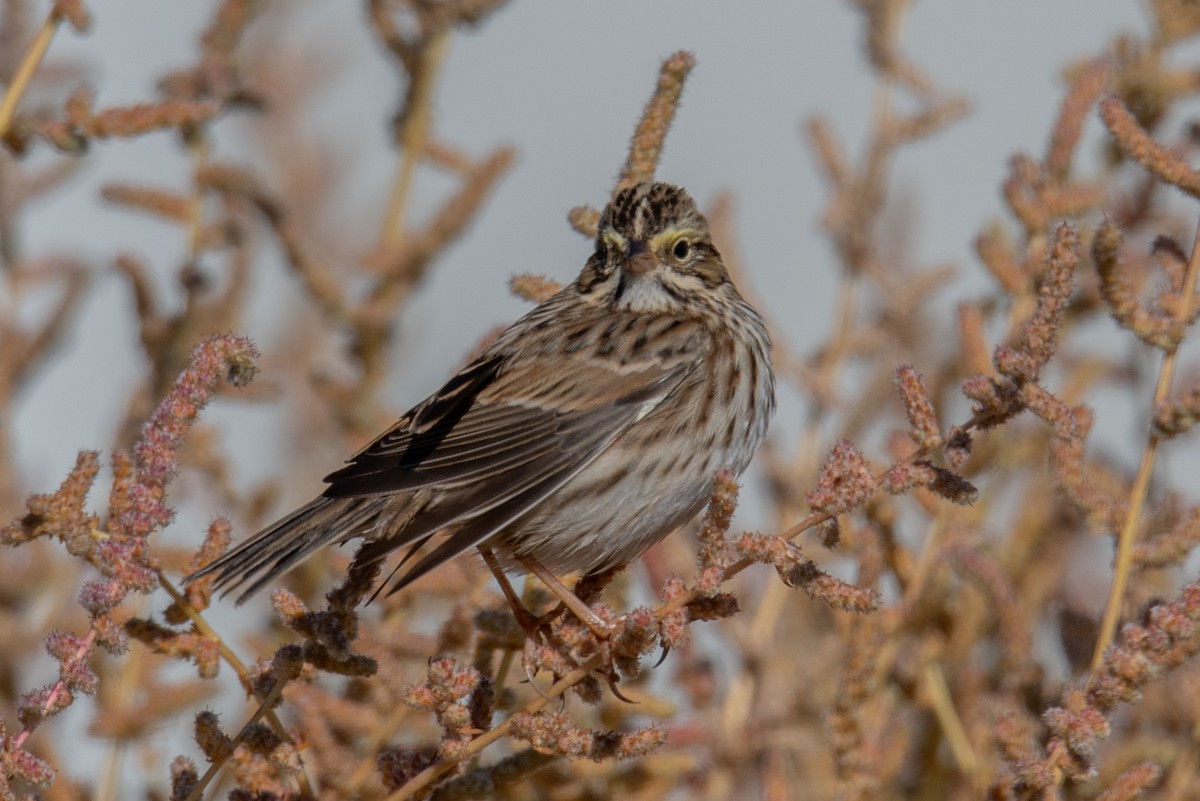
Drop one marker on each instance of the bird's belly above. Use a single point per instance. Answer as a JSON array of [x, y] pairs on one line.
[[630, 497], [625, 501], [652, 480]]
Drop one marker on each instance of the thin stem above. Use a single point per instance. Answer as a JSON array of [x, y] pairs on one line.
[[59, 687], [431, 774], [204, 629], [112, 771], [1141, 482], [739, 700], [215, 768], [413, 139], [831, 366], [1179, 782], [127, 684], [925, 563], [850, 285], [506, 663], [197, 144], [952, 727], [29, 64], [378, 737]]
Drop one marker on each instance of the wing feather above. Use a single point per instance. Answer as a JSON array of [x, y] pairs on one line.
[[501, 436], [507, 424], [482, 526], [479, 498]]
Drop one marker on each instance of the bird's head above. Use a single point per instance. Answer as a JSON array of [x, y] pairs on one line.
[[653, 251]]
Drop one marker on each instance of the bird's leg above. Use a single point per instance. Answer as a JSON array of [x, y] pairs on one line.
[[528, 621], [531, 623], [599, 627], [591, 584]]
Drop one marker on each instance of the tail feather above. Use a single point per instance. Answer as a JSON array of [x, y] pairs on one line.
[[265, 556]]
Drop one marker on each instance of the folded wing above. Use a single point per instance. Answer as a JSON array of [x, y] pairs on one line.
[[495, 441]]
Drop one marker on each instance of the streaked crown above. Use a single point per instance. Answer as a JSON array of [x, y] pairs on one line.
[[639, 212], [653, 249]]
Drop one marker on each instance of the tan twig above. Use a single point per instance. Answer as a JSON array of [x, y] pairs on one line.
[[645, 149], [444, 765], [1141, 482], [36, 346], [264, 708], [414, 135], [1136, 143], [1073, 114], [379, 736], [239, 667], [735, 712], [323, 285], [934, 681], [127, 680], [197, 145], [29, 64]]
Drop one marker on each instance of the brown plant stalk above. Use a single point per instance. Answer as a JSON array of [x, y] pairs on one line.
[[1127, 537]]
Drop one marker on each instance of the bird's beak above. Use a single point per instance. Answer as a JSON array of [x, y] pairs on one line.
[[641, 260]]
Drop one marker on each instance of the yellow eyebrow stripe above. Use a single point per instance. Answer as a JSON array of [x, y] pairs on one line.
[[671, 236]]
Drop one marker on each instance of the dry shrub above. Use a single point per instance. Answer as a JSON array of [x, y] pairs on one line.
[[955, 664]]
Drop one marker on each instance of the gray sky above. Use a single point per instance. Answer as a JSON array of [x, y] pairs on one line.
[[564, 82]]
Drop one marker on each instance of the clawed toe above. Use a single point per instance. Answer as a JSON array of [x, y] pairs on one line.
[[611, 678], [538, 628]]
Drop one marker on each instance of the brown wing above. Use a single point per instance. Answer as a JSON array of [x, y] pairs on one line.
[[497, 439], [487, 423], [523, 437], [397, 460]]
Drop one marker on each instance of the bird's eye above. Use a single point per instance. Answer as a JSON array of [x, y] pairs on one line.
[[681, 250]]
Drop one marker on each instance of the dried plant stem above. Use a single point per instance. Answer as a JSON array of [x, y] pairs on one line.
[[431, 774], [919, 576], [739, 701], [414, 137], [232, 660], [645, 149], [197, 144], [127, 685], [828, 372], [379, 737], [60, 687], [1141, 482], [1124, 560], [885, 87], [206, 630], [264, 709], [1183, 772], [850, 285], [507, 659], [29, 64], [427, 777], [849, 289], [111, 772], [947, 716], [814, 519], [770, 609]]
